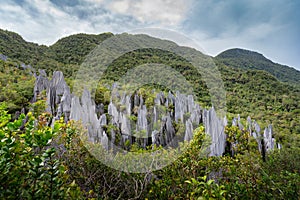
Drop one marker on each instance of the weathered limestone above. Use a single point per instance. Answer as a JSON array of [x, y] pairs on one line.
[[215, 128], [142, 124], [58, 97], [269, 141], [3, 57], [266, 140], [188, 131], [129, 120], [25, 67], [41, 84]]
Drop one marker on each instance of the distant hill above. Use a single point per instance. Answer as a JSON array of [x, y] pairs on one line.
[[15, 47], [73, 49], [69, 50], [245, 59]]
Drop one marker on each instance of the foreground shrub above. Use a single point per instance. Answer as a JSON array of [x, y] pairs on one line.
[[28, 164]]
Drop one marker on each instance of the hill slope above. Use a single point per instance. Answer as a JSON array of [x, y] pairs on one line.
[[15, 47], [73, 49], [68, 50], [245, 59]]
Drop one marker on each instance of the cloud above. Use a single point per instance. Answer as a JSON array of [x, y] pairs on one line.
[[45, 21], [164, 12], [36, 21]]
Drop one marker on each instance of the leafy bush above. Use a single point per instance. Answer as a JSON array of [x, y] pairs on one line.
[[28, 163]]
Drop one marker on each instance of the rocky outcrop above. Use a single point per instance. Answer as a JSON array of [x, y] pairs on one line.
[[27, 67], [128, 120], [58, 94], [265, 141], [215, 128], [41, 84], [58, 97], [3, 57]]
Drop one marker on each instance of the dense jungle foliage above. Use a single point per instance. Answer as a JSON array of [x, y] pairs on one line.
[[42, 162], [245, 59]]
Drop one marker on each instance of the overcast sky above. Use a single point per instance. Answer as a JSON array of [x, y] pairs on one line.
[[271, 27]]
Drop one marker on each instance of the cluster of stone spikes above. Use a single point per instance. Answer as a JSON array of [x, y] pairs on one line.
[[128, 120]]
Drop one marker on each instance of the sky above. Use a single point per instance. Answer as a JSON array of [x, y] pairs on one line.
[[270, 27]]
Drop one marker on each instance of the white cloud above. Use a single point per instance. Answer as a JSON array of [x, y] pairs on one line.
[[46, 7], [121, 7], [47, 24], [95, 1], [164, 12]]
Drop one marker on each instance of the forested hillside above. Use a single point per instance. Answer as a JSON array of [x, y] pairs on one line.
[[245, 59], [66, 54]]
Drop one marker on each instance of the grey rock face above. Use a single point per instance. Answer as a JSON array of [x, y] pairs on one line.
[[170, 131], [3, 57], [136, 100], [100, 109], [125, 127], [103, 120], [142, 124], [188, 131], [215, 128], [180, 107], [157, 100], [269, 141], [112, 110], [86, 112], [237, 122], [58, 96], [256, 134], [196, 115], [104, 141], [266, 140], [76, 111], [66, 103], [25, 67], [41, 84], [155, 117], [131, 121], [154, 137]]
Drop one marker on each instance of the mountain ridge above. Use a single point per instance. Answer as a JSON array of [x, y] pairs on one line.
[[66, 51], [247, 59]]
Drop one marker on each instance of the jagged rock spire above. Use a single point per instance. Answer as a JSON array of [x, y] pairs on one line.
[[130, 120], [41, 84], [215, 128]]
